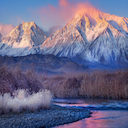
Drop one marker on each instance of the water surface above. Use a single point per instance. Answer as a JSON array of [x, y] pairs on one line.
[[105, 113]]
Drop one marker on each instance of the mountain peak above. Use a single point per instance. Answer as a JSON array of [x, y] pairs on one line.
[[27, 31], [91, 35], [92, 18], [29, 24], [24, 39], [26, 27]]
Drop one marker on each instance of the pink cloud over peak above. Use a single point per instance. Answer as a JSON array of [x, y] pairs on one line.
[[60, 15], [63, 3], [5, 28]]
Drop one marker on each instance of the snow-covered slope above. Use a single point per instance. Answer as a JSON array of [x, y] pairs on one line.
[[0, 37], [92, 36], [23, 40]]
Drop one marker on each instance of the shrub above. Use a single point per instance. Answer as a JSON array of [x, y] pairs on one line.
[[22, 100], [14, 79]]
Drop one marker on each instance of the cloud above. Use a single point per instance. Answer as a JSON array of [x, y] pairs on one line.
[[63, 3], [59, 15], [52, 16], [5, 28]]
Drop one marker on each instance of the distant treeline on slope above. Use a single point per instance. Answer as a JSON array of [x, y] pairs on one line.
[[44, 64], [96, 84]]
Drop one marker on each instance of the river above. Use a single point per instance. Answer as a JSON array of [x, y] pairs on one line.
[[105, 113]]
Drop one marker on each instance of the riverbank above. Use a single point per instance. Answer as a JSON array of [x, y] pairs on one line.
[[52, 117]]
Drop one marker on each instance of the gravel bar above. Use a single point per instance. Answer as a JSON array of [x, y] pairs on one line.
[[47, 118]]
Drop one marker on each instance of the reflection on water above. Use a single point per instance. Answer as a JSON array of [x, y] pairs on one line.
[[105, 113], [102, 119]]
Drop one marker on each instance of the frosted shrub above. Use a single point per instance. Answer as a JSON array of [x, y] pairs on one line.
[[22, 100]]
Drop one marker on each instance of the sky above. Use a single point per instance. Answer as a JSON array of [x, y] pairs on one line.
[[48, 13]]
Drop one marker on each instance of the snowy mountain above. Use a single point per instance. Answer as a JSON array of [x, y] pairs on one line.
[[0, 37], [92, 36], [23, 40]]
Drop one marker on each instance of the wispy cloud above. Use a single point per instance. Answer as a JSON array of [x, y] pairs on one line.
[[5, 28], [59, 15]]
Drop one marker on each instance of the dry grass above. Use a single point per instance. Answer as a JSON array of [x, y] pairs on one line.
[[22, 100], [98, 84]]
